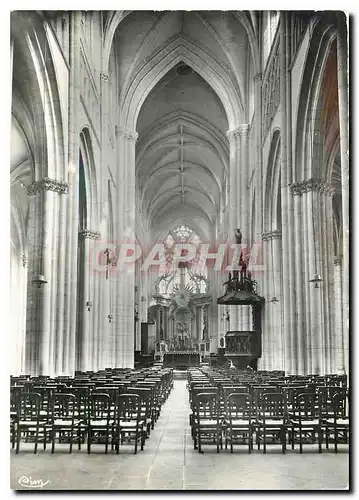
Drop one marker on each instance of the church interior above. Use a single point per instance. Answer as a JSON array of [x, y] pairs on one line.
[[179, 250]]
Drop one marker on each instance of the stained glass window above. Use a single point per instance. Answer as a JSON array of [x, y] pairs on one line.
[[192, 276]]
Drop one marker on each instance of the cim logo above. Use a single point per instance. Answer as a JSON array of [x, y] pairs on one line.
[[28, 482]]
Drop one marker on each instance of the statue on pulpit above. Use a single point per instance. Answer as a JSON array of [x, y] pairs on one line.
[[238, 236], [229, 283]]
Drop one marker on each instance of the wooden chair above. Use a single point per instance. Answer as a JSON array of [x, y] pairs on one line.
[[64, 419], [100, 420], [206, 420], [128, 421], [271, 420], [305, 419], [30, 421], [146, 397], [238, 419], [337, 426]]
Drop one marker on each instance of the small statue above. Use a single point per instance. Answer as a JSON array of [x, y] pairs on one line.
[[238, 236], [229, 284], [244, 269]]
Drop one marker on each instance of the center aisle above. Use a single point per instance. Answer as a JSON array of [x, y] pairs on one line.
[[169, 440]]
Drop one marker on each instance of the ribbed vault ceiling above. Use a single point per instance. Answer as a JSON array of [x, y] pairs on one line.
[[182, 152]]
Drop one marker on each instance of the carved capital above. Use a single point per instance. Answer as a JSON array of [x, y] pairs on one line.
[[47, 184], [234, 134], [312, 184], [272, 235], [257, 77], [337, 261], [125, 132], [89, 234], [244, 129], [104, 77], [298, 188]]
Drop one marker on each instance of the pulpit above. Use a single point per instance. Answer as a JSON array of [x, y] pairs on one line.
[[242, 347]]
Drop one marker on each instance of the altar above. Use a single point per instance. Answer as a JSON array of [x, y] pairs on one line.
[[181, 359], [180, 311]]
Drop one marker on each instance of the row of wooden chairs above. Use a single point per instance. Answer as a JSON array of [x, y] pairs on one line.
[[271, 419], [110, 413], [222, 409]]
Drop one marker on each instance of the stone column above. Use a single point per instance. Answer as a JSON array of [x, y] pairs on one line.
[[244, 312], [259, 190], [233, 198], [87, 333], [125, 233], [338, 339], [277, 307], [40, 330], [17, 310], [327, 253], [343, 88], [272, 335], [299, 339], [317, 247], [267, 291], [258, 162], [287, 201], [70, 289], [60, 301]]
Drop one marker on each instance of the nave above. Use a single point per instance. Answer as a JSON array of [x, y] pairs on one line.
[[170, 462]]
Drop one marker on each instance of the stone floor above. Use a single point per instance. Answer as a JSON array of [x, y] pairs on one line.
[[169, 462]]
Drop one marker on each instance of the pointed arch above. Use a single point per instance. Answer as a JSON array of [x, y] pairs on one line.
[[307, 121], [179, 50], [31, 35]]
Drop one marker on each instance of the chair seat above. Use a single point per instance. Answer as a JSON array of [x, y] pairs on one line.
[[31, 423], [65, 423], [206, 422], [101, 423], [342, 422], [270, 422], [239, 422], [130, 423], [305, 423]]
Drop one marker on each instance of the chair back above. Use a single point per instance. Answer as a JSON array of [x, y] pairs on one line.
[[272, 405], [308, 406], [29, 406], [112, 391], [206, 406], [227, 390], [239, 406], [63, 406], [146, 397], [129, 407], [339, 405], [99, 407]]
